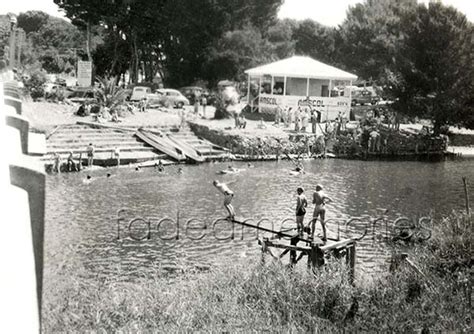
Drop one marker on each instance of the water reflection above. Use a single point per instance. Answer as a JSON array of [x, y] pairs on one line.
[[85, 217]]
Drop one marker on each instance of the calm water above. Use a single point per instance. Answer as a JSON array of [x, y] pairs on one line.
[[82, 223]]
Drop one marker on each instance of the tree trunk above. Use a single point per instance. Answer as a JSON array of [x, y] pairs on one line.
[[88, 41]]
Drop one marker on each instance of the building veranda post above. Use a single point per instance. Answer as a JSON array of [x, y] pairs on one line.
[[300, 81]]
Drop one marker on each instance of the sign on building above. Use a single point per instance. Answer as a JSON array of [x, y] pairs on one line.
[[84, 73], [330, 107]]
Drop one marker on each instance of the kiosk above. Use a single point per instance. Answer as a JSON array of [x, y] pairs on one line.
[[297, 82]]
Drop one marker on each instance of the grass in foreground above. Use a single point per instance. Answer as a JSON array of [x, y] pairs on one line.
[[270, 297]]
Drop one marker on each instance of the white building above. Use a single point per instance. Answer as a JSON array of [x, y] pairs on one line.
[[299, 81]]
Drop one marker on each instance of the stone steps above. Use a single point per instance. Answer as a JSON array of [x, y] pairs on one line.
[[97, 144], [107, 156], [76, 138]]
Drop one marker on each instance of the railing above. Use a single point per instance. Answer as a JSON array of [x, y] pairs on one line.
[[23, 223]]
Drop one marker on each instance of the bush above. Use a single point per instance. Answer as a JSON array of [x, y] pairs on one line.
[[35, 85]]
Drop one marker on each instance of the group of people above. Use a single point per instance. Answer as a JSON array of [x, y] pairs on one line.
[[200, 100], [319, 200], [73, 166], [300, 117]]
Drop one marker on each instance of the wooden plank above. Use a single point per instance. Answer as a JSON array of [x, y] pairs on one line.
[[187, 149], [288, 247], [338, 244], [160, 144]]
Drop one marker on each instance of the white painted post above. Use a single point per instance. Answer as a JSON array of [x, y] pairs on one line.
[[271, 87], [284, 85], [307, 87]]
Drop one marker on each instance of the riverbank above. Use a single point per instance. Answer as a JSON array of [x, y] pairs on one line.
[[434, 297], [266, 140]]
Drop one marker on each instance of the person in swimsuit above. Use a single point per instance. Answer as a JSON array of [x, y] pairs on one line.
[[90, 154], [228, 195], [301, 204], [319, 198]]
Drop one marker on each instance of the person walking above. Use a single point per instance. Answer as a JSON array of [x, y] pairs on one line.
[[301, 204], [319, 199]]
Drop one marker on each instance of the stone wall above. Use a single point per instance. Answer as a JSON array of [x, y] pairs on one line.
[[390, 143], [250, 145]]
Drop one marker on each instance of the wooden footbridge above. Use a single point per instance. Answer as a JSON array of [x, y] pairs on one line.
[[300, 245]]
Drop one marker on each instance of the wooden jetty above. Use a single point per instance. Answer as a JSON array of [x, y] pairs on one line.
[[315, 249]]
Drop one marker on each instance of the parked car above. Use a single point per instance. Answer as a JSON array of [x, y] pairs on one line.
[[156, 100], [173, 97], [364, 96], [140, 92]]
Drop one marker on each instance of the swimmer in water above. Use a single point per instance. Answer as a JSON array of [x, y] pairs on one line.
[[228, 196], [159, 166], [180, 170], [87, 180], [109, 175], [137, 168]]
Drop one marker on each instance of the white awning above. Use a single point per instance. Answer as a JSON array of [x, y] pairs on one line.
[[301, 67]]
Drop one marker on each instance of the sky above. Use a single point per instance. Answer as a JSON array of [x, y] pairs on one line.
[[327, 12]]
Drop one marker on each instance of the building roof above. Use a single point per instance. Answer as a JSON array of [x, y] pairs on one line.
[[303, 67]]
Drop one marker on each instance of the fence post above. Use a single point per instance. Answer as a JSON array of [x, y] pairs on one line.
[[466, 195]]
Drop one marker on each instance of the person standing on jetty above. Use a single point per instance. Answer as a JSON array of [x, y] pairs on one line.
[[301, 204], [228, 195], [319, 198]]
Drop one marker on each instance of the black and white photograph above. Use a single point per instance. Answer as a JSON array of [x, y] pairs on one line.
[[236, 166]]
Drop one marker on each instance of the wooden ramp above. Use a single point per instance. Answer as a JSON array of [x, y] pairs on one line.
[[162, 144], [187, 149]]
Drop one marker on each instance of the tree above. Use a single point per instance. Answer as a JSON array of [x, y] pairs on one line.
[[237, 51], [32, 20], [170, 37], [368, 38], [280, 36], [315, 40], [433, 71]]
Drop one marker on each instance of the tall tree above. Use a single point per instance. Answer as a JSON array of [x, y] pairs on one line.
[[369, 36], [433, 72], [32, 20], [315, 40]]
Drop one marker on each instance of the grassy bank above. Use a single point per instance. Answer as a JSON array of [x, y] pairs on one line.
[[255, 297]]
